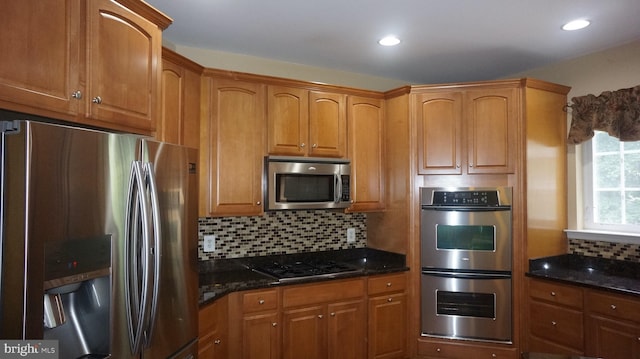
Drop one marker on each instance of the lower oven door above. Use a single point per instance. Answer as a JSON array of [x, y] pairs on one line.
[[466, 305]]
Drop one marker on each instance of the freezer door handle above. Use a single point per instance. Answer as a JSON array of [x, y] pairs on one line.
[[154, 250], [136, 257]]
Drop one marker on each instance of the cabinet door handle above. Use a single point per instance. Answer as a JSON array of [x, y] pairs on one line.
[[320, 316], [258, 203], [314, 145], [217, 341], [390, 300], [333, 314], [302, 145], [553, 294], [274, 324], [613, 307], [553, 322], [97, 100], [77, 94]]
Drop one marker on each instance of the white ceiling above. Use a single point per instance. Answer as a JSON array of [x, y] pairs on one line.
[[442, 41]]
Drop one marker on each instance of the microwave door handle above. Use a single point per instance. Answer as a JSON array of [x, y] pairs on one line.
[[337, 195]]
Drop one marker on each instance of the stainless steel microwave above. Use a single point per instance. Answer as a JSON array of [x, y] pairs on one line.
[[306, 183]]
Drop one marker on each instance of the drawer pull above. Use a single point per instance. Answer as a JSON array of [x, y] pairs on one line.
[[217, 341], [553, 294], [493, 355], [261, 301], [389, 284], [320, 316], [553, 322], [438, 350], [333, 314], [390, 300], [613, 307], [274, 324]]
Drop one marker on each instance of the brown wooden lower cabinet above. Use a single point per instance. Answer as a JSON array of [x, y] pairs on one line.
[[387, 313], [212, 331], [569, 319], [325, 320]]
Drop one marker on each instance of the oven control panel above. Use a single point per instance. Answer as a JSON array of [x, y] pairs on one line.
[[466, 198]]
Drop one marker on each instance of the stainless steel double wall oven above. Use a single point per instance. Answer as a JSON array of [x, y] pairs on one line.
[[466, 263]]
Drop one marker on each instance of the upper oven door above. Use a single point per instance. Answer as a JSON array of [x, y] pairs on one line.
[[466, 238]]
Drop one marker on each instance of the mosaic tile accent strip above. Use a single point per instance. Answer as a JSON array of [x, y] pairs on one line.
[[280, 232], [602, 249]]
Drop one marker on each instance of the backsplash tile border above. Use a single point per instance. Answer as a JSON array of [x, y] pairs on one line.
[[280, 232], [603, 249]]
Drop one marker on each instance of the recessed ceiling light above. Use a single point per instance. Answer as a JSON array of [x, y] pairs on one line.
[[389, 41], [576, 25]]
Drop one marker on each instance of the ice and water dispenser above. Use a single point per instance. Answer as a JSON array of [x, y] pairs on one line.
[[77, 295]]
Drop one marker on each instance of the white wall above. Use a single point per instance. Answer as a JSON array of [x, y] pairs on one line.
[[607, 70], [262, 66]]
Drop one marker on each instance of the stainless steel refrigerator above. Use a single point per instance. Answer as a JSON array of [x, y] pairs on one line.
[[98, 239]]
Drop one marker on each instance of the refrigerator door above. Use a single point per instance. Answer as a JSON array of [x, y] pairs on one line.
[[174, 322]]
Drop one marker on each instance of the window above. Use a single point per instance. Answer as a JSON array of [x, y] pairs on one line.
[[611, 184]]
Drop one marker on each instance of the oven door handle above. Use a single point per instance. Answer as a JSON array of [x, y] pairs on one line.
[[468, 275], [466, 209]]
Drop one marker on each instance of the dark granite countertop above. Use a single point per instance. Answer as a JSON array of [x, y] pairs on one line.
[[219, 277], [600, 273]]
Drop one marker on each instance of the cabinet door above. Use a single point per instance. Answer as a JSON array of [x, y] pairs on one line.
[[40, 47], [232, 148], [387, 323], [180, 105], [212, 330], [491, 122], [346, 330], [365, 120], [287, 120], [260, 336], [439, 121], [327, 124], [304, 333], [612, 339], [123, 67]]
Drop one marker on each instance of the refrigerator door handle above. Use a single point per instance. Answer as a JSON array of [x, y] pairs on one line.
[[155, 250], [136, 257]]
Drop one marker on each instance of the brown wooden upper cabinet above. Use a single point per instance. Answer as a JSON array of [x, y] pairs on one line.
[[93, 62], [306, 123], [180, 100], [467, 131], [365, 123], [232, 147]]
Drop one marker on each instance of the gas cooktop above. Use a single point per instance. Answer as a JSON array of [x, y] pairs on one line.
[[304, 269]]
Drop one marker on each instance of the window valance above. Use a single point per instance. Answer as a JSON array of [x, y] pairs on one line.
[[615, 112]]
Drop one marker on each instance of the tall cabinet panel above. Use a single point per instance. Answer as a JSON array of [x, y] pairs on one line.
[[232, 142], [365, 122], [179, 122]]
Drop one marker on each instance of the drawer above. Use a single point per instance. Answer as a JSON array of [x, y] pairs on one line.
[[557, 324], [387, 283], [259, 300], [556, 293], [612, 305], [464, 351], [309, 294]]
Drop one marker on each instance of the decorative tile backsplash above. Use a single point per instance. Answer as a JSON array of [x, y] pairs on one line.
[[281, 232], [602, 249]]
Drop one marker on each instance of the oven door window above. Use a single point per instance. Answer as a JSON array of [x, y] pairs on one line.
[[291, 188], [466, 237], [479, 305]]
